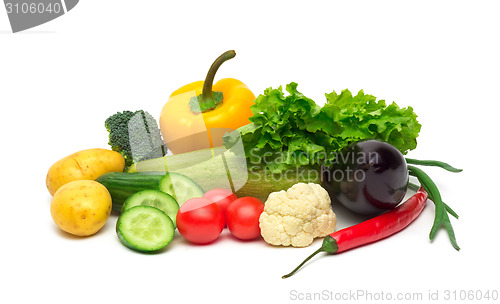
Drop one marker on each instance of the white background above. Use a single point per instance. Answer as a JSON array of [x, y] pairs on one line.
[[61, 80]]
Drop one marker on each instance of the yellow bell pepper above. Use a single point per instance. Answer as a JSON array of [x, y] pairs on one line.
[[198, 114]]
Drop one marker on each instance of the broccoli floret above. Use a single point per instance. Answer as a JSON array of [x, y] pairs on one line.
[[135, 135]]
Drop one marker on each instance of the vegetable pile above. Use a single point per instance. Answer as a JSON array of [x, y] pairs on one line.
[[383, 186], [232, 152]]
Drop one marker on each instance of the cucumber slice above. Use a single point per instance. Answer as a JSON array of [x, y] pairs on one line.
[[154, 198], [145, 228], [180, 187]]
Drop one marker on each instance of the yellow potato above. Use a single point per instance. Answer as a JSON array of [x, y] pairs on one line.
[[84, 165], [81, 207]]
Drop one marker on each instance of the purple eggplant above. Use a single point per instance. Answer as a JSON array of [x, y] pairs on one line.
[[368, 177]]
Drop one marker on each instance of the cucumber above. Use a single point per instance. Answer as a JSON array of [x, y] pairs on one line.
[[181, 187], [154, 198], [123, 185], [145, 228]]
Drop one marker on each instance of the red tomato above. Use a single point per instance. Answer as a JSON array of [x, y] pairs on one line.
[[221, 197], [242, 217], [200, 221]]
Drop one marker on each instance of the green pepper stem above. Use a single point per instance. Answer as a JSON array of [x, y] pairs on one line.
[[209, 80]]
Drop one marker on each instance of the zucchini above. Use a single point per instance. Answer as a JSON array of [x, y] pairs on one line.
[[228, 170], [261, 183], [123, 185], [172, 163]]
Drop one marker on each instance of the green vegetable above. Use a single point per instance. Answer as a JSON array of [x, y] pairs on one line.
[[123, 185], [434, 163], [289, 131], [135, 135], [145, 228], [181, 187], [441, 214], [154, 198]]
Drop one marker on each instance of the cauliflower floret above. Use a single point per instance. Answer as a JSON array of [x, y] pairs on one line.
[[297, 216]]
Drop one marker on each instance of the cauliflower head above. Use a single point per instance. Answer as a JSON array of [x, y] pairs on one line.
[[297, 216]]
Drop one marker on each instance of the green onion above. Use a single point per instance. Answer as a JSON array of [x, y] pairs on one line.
[[441, 211]]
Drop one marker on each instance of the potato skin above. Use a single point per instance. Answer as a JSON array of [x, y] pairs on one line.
[[83, 165], [81, 207]]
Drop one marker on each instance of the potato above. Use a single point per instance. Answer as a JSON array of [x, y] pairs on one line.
[[81, 207], [84, 165]]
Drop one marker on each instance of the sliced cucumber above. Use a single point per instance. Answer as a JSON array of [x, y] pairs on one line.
[[145, 228], [154, 198], [180, 187]]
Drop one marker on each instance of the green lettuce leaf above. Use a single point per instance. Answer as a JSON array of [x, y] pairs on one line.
[[292, 130]]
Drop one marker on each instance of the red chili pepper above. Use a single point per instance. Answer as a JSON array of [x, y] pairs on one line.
[[373, 229]]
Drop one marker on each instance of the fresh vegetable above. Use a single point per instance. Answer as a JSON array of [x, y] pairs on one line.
[[135, 135], [441, 210], [81, 207], [373, 229], [198, 114], [290, 131], [144, 228], [368, 177], [83, 165], [220, 196], [200, 221], [176, 162], [122, 185], [242, 217], [297, 216], [181, 187], [154, 198], [290, 138], [433, 163]]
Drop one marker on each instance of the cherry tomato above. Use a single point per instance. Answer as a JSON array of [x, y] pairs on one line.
[[221, 197], [200, 220], [242, 217]]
